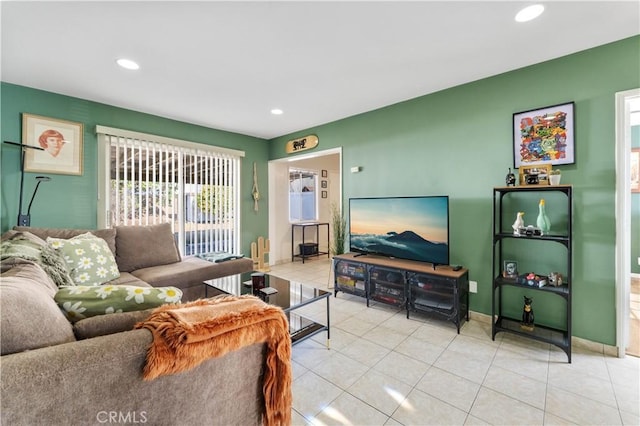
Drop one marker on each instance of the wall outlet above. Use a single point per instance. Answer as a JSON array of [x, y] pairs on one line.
[[638, 260], [473, 286]]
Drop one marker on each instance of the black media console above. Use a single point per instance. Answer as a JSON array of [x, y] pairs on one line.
[[414, 286]]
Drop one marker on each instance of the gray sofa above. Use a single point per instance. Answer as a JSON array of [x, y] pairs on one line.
[[147, 255], [90, 372]]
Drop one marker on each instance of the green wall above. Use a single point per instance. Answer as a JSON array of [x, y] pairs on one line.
[[459, 142], [70, 201]]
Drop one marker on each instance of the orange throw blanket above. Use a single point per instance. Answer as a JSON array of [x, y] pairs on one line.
[[186, 335]]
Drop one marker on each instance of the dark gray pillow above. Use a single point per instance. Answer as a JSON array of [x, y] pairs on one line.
[[30, 318], [140, 247]]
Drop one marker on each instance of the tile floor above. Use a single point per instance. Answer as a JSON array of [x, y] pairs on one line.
[[385, 369]]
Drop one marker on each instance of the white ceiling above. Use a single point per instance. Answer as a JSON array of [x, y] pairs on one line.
[[227, 64]]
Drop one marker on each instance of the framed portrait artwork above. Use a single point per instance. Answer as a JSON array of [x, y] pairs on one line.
[[324, 173], [544, 136], [62, 142]]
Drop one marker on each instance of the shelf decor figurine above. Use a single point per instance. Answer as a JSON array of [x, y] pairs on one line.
[[518, 224], [527, 315], [510, 179], [543, 220]]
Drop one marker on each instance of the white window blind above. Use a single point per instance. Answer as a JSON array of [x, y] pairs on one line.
[[150, 179]]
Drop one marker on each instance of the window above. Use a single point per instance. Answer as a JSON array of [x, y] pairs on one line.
[[302, 195], [148, 179]]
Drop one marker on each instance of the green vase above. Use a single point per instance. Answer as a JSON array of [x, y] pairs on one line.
[[543, 220]]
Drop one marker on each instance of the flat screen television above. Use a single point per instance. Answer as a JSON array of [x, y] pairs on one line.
[[414, 228]]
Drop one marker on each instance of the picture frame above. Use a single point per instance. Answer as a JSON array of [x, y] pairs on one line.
[[510, 269], [635, 170], [544, 136], [324, 194], [324, 174], [534, 175], [323, 184], [62, 142]]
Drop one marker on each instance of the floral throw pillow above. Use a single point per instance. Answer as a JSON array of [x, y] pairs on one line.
[[79, 302], [88, 258]]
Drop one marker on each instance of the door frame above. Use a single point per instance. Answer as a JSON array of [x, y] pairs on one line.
[[623, 216]]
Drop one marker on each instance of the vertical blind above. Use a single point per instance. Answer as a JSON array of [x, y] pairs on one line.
[[194, 187]]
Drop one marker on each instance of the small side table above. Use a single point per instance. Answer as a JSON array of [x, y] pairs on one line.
[[304, 226]]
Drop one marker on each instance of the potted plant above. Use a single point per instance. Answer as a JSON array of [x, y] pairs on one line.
[[554, 177], [339, 225]]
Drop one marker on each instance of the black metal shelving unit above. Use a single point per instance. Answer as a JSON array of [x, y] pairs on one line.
[[558, 336]]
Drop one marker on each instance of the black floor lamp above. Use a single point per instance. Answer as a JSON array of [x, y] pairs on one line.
[[25, 219]]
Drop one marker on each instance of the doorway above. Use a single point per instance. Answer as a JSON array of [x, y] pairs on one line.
[[327, 165], [627, 303]]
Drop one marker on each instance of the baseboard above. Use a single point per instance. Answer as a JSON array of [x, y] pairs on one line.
[[576, 342]]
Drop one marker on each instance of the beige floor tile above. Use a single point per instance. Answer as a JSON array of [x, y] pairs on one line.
[[535, 368], [449, 388], [339, 338], [297, 419], [422, 409], [575, 380], [402, 367], [349, 410], [476, 348], [448, 378], [551, 420], [419, 350], [312, 393], [463, 365], [434, 335], [384, 392], [365, 352], [628, 398], [516, 386], [340, 370], [629, 419], [474, 421], [384, 336], [580, 410], [496, 408]]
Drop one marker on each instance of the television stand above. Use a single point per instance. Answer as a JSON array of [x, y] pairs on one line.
[[411, 285]]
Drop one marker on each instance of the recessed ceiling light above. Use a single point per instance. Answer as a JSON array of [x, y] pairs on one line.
[[276, 111], [128, 64], [529, 13]]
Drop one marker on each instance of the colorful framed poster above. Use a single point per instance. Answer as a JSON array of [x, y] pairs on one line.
[[544, 136], [62, 142]]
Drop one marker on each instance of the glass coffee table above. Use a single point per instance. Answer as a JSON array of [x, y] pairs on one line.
[[289, 295]]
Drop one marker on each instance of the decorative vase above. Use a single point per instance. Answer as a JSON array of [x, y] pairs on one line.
[[543, 220], [554, 179]]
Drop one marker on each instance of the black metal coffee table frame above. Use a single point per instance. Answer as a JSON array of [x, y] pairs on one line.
[[290, 296]]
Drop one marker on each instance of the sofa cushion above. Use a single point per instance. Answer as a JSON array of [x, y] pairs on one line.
[[126, 278], [27, 246], [144, 246], [80, 302], [88, 258], [109, 235], [101, 325], [30, 317], [192, 271]]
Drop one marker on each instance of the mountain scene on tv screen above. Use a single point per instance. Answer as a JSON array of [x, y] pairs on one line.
[[403, 245]]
